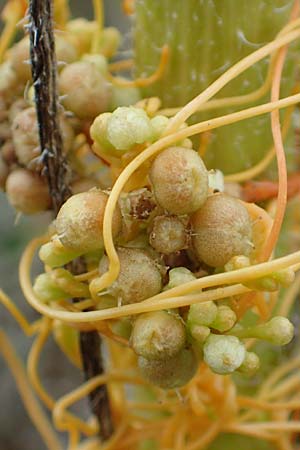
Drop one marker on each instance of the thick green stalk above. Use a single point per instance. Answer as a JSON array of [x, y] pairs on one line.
[[205, 38]]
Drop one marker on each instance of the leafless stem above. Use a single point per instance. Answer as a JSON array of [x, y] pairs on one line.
[[55, 168]]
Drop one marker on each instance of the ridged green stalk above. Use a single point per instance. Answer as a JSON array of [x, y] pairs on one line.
[[205, 38]]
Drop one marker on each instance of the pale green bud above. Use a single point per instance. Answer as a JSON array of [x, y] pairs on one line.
[[159, 124], [98, 132], [223, 354], [225, 319], [124, 96], [53, 254], [178, 276], [284, 277], [110, 41], [237, 262], [202, 314], [59, 284], [250, 364], [122, 327], [279, 331], [199, 332], [67, 338], [267, 284], [128, 126]]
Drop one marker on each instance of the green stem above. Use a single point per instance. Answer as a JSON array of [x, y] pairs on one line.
[[205, 39]]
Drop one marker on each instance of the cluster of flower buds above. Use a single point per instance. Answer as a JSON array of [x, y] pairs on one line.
[[171, 224], [84, 92], [162, 244]]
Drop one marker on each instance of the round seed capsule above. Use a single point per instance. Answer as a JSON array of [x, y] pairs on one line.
[[158, 335], [26, 139], [168, 234], [222, 229], [139, 276], [86, 90], [223, 354], [27, 192], [79, 221], [170, 373], [179, 179]]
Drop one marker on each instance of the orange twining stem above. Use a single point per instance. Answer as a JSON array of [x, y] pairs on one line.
[[259, 191], [128, 7], [124, 64], [142, 82], [281, 161]]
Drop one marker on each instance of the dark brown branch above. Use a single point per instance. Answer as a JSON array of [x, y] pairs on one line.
[[55, 168], [43, 63]]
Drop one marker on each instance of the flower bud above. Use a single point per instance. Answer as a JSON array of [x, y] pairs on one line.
[[122, 327], [110, 41], [178, 276], [202, 313], [54, 254], [98, 60], [170, 373], [158, 335], [57, 285], [250, 364], [279, 331], [79, 222], [27, 192], [124, 96], [237, 262], [26, 138], [8, 79], [168, 234], [223, 354], [199, 332], [67, 339], [159, 124], [284, 277], [224, 320], [179, 180], [19, 55], [83, 31], [85, 89], [98, 132], [128, 126], [222, 229], [139, 276], [19, 59]]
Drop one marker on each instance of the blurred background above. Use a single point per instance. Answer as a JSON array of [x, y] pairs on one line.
[[16, 429]]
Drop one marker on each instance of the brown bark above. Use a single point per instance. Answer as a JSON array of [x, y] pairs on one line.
[[55, 169]]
